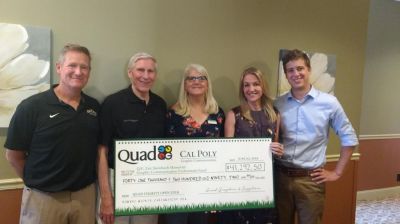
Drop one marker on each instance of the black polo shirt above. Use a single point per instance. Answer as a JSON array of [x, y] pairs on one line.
[[60, 142], [124, 116]]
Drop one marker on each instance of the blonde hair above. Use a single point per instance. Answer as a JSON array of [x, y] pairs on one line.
[[182, 106], [266, 100]]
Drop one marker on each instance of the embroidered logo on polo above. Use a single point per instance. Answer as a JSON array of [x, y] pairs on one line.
[[53, 115], [91, 112]]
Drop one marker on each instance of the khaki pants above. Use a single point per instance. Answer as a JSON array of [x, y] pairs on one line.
[[66, 207], [301, 195], [137, 219]]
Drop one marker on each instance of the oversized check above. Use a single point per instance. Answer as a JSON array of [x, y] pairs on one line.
[[163, 176]]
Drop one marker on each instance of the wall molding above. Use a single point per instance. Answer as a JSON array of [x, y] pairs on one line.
[[10, 184], [383, 136], [335, 157], [376, 194]]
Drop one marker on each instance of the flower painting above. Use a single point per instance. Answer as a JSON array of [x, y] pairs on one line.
[[24, 65], [323, 71]]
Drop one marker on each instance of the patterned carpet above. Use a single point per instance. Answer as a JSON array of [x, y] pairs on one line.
[[382, 211]]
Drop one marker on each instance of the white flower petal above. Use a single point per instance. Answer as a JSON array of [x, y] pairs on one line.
[[9, 100], [319, 65], [24, 70], [284, 85], [325, 83], [13, 41]]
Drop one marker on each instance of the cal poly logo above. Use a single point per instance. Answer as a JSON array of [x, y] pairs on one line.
[[162, 152]]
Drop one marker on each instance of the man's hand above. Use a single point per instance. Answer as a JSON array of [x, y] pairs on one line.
[[321, 175], [107, 210]]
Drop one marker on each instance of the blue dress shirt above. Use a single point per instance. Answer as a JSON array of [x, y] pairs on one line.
[[305, 128]]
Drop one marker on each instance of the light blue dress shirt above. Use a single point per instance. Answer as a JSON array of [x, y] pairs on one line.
[[305, 128]]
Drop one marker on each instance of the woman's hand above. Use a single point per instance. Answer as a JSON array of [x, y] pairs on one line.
[[277, 149]]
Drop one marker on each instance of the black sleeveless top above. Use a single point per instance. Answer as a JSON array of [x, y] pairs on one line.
[[260, 127]]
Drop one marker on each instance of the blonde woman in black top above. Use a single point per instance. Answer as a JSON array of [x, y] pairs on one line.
[[254, 117]]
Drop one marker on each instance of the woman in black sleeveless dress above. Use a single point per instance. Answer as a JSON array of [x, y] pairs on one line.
[[254, 117]]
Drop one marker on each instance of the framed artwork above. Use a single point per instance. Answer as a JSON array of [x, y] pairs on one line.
[[323, 72], [25, 53]]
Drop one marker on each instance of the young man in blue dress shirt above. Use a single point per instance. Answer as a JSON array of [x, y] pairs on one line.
[[307, 115]]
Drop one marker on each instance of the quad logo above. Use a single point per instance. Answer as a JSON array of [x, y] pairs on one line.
[[162, 152]]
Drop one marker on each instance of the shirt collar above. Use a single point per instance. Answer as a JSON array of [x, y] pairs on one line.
[[135, 99], [53, 99], [311, 94]]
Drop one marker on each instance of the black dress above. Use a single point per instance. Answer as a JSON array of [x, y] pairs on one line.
[[244, 128]]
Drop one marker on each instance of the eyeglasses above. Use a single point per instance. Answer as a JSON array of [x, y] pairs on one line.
[[193, 78]]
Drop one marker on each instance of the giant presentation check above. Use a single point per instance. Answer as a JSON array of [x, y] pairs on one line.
[[163, 176]]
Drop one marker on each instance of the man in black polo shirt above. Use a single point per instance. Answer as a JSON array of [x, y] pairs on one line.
[[134, 112], [52, 145]]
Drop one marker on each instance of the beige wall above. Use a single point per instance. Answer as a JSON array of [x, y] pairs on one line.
[[380, 104], [380, 124], [224, 35]]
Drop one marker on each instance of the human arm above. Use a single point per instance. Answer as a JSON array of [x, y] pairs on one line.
[[106, 203], [321, 175], [229, 126], [19, 135], [17, 160], [276, 146], [340, 123]]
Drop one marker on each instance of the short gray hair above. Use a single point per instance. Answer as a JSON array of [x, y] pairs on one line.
[[140, 56]]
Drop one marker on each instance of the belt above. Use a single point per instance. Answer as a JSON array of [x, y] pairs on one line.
[[293, 172]]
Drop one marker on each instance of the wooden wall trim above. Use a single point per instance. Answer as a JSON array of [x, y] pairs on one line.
[[340, 202], [379, 164], [12, 183], [10, 206], [382, 136], [335, 157]]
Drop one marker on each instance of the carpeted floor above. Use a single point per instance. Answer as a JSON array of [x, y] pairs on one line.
[[382, 211]]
